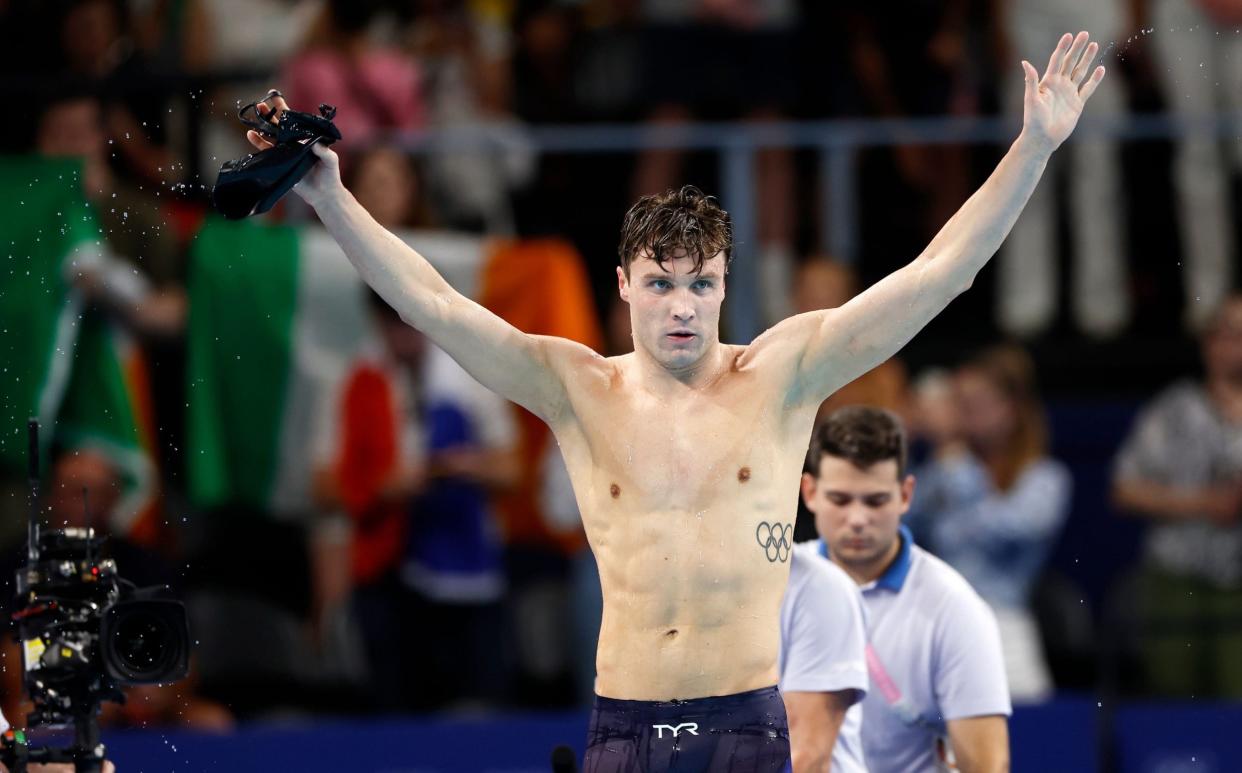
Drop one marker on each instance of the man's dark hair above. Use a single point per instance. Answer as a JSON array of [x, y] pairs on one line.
[[685, 221], [861, 435]]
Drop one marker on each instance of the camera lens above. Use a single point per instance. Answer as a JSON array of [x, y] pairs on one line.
[[143, 643]]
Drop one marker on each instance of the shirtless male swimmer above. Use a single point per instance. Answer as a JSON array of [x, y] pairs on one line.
[[686, 454]]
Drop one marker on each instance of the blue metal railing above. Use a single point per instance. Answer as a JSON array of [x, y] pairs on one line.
[[837, 142]]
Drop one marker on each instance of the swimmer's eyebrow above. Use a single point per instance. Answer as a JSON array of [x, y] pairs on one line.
[[649, 274]]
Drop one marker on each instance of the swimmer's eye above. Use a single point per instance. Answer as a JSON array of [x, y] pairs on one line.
[[840, 500], [879, 500], [661, 284], [702, 284]]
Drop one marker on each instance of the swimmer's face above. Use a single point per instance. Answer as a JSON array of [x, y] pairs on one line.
[[857, 511], [674, 312]]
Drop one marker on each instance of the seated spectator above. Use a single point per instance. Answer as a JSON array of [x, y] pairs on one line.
[[991, 502], [464, 50], [97, 47], [140, 275], [376, 89], [1181, 468], [418, 450]]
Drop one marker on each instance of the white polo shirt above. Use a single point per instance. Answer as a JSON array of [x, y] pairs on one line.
[[824, 642], [934, 654]]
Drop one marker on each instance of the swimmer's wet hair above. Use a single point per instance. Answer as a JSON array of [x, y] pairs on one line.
[[861, 435], [685, 221]]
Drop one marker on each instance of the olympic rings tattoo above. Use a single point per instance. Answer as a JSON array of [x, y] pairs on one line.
[[775, 539]]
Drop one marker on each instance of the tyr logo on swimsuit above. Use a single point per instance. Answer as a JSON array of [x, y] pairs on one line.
[[690, 727]]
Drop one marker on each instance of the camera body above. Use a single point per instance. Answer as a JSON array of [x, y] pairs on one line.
[[85, 632]]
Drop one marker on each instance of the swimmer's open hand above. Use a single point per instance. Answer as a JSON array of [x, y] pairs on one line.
[[324, 178], [1053, 103]]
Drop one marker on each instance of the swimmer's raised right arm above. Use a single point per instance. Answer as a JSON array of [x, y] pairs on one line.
[[829, 348], [517, 366]]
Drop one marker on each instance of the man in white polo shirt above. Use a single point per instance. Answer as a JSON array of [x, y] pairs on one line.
[[823, 665], [938, 691]]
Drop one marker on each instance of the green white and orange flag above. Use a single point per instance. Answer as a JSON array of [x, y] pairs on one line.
[[277, 315], [69, 366]]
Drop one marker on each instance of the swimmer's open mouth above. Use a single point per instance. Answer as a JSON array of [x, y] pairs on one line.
[[681, 335]]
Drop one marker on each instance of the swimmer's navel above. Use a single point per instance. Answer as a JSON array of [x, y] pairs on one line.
[[671, 634], [743, 475], [615, 490]]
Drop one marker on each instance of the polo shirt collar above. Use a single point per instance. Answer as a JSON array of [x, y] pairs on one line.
[[895, 576]]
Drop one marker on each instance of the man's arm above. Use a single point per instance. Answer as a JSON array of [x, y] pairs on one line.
[[835, 346], [814, 720], [1221, 504], [511, 363], [980, 744]]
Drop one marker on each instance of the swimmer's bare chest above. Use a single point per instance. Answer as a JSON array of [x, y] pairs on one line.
[[689, 506]]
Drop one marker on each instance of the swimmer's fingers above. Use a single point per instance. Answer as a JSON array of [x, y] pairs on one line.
[[258, 140], [272, 106], [277, 101], [1084, 63], [1089, 87], [269, 110], [1057, 59], [1070, 61], [1031, 78]]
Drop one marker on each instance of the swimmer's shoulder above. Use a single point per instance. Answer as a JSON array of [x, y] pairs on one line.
[[778, 349], [578, 364]]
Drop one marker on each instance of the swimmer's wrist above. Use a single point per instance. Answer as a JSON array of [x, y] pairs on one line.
[[1035, 149], [319, 199]]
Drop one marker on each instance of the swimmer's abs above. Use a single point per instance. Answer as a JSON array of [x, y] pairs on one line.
[[681, 662]]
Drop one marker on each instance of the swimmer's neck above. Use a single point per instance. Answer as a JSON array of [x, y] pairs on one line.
[[662, 379]]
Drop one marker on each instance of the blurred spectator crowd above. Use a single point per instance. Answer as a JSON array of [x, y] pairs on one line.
[[359, 527]]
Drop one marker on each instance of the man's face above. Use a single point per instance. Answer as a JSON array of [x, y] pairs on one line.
[[72, 128], [386, 187], [674, 312], [857, 511], [988, 418], [1222, 345], [83, 479], [405, 344]]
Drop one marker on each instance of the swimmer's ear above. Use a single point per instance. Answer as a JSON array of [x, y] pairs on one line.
[[623, 285]]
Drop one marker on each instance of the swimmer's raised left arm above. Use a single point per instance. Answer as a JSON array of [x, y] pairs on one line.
[[835, 346]]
